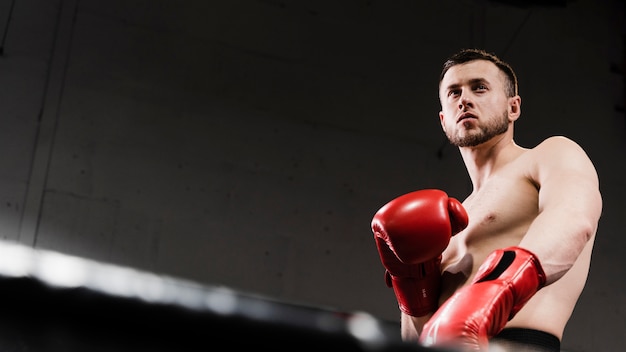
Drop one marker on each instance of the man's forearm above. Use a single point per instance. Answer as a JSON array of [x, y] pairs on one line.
[[411, 327]]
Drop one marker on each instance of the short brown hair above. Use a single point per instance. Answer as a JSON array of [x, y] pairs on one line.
[[467, 55]]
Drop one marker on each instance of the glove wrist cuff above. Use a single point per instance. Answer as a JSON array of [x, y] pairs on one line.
[[418, 295]]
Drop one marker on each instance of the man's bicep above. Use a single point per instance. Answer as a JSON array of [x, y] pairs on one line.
[[569, 209], [567, 179]]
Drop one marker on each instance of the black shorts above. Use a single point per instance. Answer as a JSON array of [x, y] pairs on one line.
[[519, 339]]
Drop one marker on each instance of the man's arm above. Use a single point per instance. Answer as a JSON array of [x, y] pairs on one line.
[[570, 206], [410, 327], [411, 231]]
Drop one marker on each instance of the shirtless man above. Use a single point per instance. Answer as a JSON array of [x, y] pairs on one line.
[[507, 266]]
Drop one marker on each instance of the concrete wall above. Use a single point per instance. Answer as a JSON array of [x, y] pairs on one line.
[[248, 143]]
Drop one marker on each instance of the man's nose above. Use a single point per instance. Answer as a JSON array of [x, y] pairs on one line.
[[464, 102]]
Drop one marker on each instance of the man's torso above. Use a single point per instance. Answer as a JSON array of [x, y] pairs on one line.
[[500, 214]]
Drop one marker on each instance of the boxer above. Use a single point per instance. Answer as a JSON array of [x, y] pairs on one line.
[[508, 264]]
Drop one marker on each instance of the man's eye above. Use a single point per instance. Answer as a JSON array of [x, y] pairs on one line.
[[453, 92], [481, 87]]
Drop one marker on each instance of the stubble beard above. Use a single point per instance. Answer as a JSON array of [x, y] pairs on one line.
[[482, 134]]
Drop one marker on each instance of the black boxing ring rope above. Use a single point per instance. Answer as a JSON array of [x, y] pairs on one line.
[[55, 302]]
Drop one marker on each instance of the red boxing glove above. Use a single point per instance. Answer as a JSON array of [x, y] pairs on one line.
[[411, 232], [503, 284]]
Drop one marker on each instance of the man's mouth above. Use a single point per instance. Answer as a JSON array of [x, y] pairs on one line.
[[465, 116]]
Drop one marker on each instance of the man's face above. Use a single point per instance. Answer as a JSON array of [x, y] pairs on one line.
[[474, 106]]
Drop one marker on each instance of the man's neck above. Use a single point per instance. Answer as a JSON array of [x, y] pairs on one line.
[[485, 160]]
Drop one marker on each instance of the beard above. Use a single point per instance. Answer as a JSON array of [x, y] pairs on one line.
[[482, 134]]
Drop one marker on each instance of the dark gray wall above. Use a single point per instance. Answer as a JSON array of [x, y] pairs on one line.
[[248, 143]]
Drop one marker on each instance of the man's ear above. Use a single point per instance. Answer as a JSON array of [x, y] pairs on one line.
[[443, 126], [515, 107]]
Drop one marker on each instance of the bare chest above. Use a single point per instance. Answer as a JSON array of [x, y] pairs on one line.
[[504, 205], [499, 216]]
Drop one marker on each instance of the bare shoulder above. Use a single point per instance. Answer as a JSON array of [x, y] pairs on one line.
[[559, 144], [562, 157], [560, 151]]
